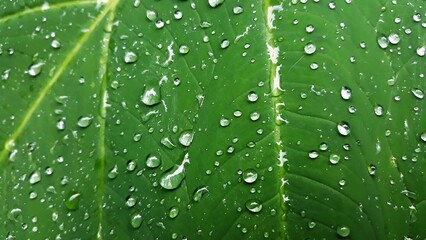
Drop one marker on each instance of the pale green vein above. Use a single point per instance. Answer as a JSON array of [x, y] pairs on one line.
[[44, 8], [10, 142], [103, 76], [276, 101]]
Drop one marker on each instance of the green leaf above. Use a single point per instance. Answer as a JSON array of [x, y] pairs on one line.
[[213, 119]]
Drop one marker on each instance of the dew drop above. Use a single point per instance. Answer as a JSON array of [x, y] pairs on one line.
[[130, 57], [254, 205], [136, 220], [113, 173], [137, 137], [215, 3], [173, 212], [35, 69], [310, 28], [394, 38], [183, 49], [238, 113], [250, 175], [378, 110], [346, 93], [186, 138], [224, 122], [310, 48], [418, 93], [343, 231], [72, 200], [254, 116], [199, 193], [55, 44], [343, 128], [84, 122], [131, 201], [178, 14], [35, 177], [151, 96], [252, 97], [14, 214], [224, 44], [421, 51], [334, 159], [151, 15], [323, 146], [153, 160], [383, 42], [313, 154], [60, 125], [423, 137], [311, 225], [372, 169], [167, 142], [172, 178], [237, 10]]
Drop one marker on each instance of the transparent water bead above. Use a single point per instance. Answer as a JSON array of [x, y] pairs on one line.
[[394, 38], [423, 137], [35, 177], [172, 178], [173, 212], [84, 121], [383, 42], [186, 138], [309, 28], [153, 160], [35, 69], [346, 93], [72, 200], [224, 44], [378, 110], [215, 3], [310, 48], [136, 220], [421, 51], [343, 128], [224, 122], [254, 205], [130, 57], [313, 154], [178, 14], [343, 231], [183, 49], [55, 44], [151, 15], [252, 97], [418, 93], [237, 10], [199, 193], [151, 96], [334, 159], [250, 175]]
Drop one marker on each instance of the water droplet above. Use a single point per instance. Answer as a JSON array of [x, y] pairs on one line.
[[313, 154], [254, 116], [417, 17], [310, 28], [72, 200], [137, 137], [418, 93], [250, 175], [383, 42], [423, 137], [159, 24], [186, 138], [334, 159], [252, 97], [153, 160], [130, 57], [35, 69], [238, 113], [314, 66], [178, 14], [323, 146], [60, 125], [85, 122], [199, 193], [131, 166], [342, 182], [151, 15], [346, 93], [172, 178], [372, 169], [113, 173], [421, 51], [131, 201], [136, 220], [310, 48], [215, 3], [167, 142], [224, 44], [55, 44], [343, 231], [183, 49], [224, 122], [394, 38], [311, 225], [254, 205], [343, 128], [237, 10], [14, 214], [35, 177], [378, 110], [151, 96], [173, 212]]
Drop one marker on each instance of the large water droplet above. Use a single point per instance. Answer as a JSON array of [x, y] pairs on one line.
[[421, 51], [250, 175], [183, 49], [237, 10], [313, 154], [310, 28], [346, 93], [167, 142], [14, 214], [151, 15], [85, 122], [113, 173], [55, 44], [343, 230], [310, 48], [215, 3], [224, 122], [334, 159], [136, 220], [378, 110], [151, 96], [423, 137], [72, 200], [199, 193], [224, 44], [130, 57], [131, 201], [254, 205], [173, 212], [383, 42], [343, 128], [394, 38], [172, 178], [153, 160], [418, 93], [186, 138], [35, 177], [252, 97], [35, 69]]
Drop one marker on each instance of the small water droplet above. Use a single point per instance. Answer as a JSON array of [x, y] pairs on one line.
[[113, 173], [35, 177], [55, 44], [173, 212], [35, 69], [394, 38], [372, 169], [378, 110], [131, 166], [159, 24], [172, 178], [334, 159], [346, 93], [167, 142], [136, 220], [421, 51], [250, 175], [310, 48], [153, 160], [137, 137], [183, 49], [310, 28], [178, 14], [237, 10], [85, 122], [14, 214], [238, 113], [343, 128], [313, 154], [342, 182], [130, 57], [343, 230], [311, 225], [254, 205], [131, 201], [383, 42], [151, 15], [252, 97], [418, 93], [423, 137], [186, 138], [215, 3], [72, 200], [60, 125], [199, 193], [151, 96], [323, 146], [224, 44], [224, 122], [254, 116]]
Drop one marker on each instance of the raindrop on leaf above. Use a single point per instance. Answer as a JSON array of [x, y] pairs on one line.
[[153, 160], [72, 200], [254, 205]]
